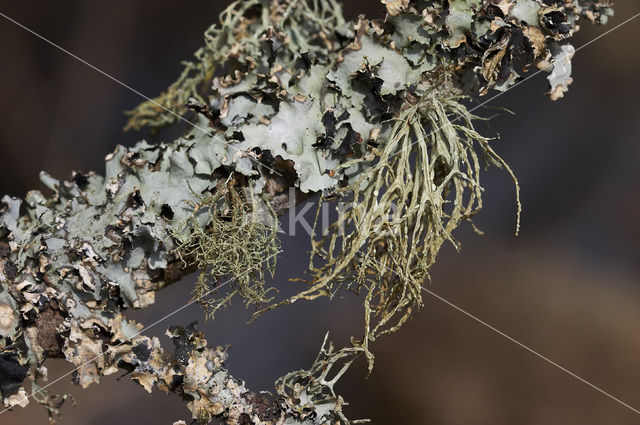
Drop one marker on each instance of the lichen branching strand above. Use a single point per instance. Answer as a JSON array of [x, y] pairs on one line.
[[233, 242], [423, 185]]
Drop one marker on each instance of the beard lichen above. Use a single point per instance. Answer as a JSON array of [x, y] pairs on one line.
[[226, 237], [288, 84], [424, 183]]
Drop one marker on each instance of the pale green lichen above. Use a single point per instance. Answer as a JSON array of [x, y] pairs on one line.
[[310, 393], [233, 243], [238, 39], [425, 183], [290, 96]]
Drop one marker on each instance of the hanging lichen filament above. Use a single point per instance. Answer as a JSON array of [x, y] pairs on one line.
[[424, 183], [225, 237]]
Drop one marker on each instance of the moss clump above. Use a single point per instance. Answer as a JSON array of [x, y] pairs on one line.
[[232, 242]]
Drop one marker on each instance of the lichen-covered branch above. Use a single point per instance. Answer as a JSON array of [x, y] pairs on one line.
[[286, 95]]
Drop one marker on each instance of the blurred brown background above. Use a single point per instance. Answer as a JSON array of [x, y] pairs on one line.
[[568, 286]]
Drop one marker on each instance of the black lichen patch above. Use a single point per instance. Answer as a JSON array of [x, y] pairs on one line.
[[266, 406], [181, 342], [351, 139], [11, 373], [166, 212], [142, 351]]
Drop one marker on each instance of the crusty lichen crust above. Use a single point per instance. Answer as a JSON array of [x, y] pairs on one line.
[[285, 94]]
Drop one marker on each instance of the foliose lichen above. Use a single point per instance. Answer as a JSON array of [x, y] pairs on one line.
[[290, 95]]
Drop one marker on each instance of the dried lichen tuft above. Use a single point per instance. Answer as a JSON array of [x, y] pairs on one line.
[[308, 394], [425, 183], [233, 242]]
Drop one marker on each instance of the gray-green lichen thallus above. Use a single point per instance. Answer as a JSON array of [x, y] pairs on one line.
[[290, 95]]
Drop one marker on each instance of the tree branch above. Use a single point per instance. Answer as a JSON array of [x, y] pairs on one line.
[[303, 100]]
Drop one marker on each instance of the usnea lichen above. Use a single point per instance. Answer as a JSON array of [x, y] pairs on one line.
[[234, 242], [425, 183], [286, 94]]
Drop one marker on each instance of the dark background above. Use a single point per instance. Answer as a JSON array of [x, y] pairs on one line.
[[568, 286]]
